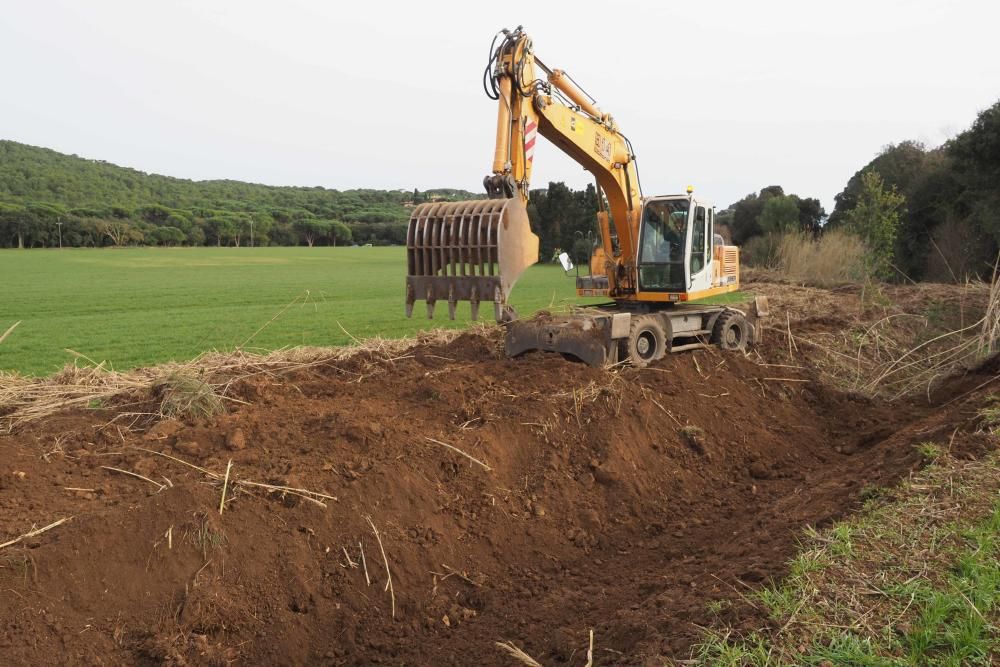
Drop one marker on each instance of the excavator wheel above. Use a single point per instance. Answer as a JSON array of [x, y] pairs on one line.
[[647, 340], [732, 331]]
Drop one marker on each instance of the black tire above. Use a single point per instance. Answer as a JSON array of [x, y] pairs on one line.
[[647, 340], [732, 331]]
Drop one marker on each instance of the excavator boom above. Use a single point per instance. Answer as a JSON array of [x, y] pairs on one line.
[[476, 250]]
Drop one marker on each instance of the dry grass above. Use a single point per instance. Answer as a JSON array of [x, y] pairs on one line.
[[35, 531], [485, 467], [385, 560], [920, 367], [834, 258], [186, 395], [199, 387], [891, 341], [612, 387], [989, 340], [517, 654], [231, 482], [8, 331]]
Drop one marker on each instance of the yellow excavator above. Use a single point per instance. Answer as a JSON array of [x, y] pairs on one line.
[[654, 256]]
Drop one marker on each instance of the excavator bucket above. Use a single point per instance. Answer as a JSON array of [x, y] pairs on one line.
[[467, 251]]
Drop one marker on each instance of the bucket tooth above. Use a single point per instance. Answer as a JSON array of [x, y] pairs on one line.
[[451, 302], [474, 303], [410, 299], [430, 303], [498, 305]]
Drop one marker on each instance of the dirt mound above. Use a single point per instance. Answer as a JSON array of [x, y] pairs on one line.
[[528, 500]]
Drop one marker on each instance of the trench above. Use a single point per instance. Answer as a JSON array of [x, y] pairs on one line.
[[531, 501]]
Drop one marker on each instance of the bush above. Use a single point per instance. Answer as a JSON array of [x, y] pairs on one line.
[[761, 251], [876, 219], [582, 248]]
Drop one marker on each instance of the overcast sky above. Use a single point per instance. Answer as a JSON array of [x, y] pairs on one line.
[[727, 96]]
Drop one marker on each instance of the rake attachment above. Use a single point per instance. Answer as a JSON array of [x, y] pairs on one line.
[[467, 251]]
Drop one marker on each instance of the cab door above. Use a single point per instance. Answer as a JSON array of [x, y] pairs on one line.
[[700, 253]]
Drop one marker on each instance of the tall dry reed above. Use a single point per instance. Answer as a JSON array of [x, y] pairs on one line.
[[834, 257]]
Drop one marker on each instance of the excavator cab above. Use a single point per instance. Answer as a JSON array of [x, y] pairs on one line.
[[662, 244], [679, 255], [676, 245]]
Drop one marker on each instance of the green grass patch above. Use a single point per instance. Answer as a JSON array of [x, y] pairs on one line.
[[185, 395], [141, 306], [990, 414], [929, 451], [913, 580]]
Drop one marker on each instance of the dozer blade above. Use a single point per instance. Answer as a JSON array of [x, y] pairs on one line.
[[467, 251], [587, 338]]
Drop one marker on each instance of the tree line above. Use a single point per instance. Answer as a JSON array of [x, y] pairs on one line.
[[47, 225], [47, 197], [935, 213], [922, 213]]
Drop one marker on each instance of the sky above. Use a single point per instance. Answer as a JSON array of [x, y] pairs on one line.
[[728, 97]]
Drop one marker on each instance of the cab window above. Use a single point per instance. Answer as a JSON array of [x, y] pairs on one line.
[[661, 254], [699, 236]]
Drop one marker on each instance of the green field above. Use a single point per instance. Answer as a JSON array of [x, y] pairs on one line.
[[140, 306]]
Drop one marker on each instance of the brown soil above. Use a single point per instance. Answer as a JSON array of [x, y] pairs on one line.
[[619, 502]]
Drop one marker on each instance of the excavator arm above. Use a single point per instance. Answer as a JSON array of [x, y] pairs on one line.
[[561, 112], [475, 251]]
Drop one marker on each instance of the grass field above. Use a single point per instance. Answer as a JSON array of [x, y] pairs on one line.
[[140, 306]]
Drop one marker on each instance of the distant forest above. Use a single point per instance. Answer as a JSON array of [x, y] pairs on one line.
[[924, 214], [96, 204]]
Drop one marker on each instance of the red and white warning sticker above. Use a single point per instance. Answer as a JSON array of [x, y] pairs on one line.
[[530, 133]]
